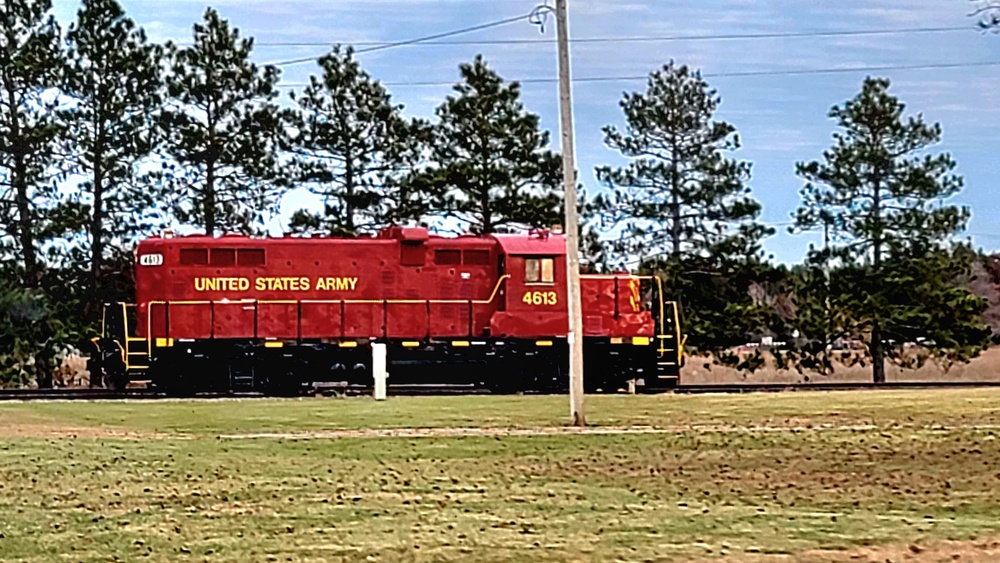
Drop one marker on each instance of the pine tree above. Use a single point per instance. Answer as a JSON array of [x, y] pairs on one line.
[[680, 195], [30, 63], [682, 208], [881, 194], [490, 167], [223, 130], [114, 77], [354, 148]]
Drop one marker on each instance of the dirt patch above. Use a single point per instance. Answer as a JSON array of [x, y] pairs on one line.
[[464, 432], [53, 430], [459, 432], [977, 551]]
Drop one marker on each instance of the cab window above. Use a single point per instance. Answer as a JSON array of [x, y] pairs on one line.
[[539, 270]]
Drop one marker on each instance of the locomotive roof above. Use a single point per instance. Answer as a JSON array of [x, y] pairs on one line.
[[544, 244], [532, 245]]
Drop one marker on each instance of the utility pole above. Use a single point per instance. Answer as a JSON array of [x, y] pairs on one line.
[[575, 336]]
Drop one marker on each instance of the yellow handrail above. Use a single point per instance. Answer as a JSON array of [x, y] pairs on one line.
[[149, 310]]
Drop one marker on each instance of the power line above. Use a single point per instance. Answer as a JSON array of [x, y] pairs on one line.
[[416, 40], [640, 39], [738, 74]]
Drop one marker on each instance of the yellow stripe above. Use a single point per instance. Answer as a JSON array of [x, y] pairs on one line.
[[164, 342], [543, 343], [460, 343], [640, 340], [617, 340], [410, 344], [348, 344], [273, 344]]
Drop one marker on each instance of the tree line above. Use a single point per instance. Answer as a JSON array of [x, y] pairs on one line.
[[106, 137]]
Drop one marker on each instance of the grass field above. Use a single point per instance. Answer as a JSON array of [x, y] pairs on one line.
[[866, 476]]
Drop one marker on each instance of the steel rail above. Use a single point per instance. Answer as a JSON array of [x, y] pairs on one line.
[[94, 394]]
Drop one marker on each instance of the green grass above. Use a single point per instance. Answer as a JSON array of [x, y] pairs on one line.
[[734, 476]]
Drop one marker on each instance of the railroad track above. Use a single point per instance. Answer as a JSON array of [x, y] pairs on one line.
[[96, 394], [829, 386]]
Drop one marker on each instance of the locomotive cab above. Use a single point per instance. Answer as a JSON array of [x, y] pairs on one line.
[[535, 295]]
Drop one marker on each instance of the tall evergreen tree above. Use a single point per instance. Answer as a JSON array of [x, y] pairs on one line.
[[882, 195], [114, 75], [680, 195], [30, 63], [223, 130], [490, 166], [354, 148], [682, 206]]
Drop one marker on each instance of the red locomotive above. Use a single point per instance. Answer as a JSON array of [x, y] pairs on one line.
[[236, 312]]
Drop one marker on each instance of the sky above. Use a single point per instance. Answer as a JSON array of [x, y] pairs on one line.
[[781, 115]]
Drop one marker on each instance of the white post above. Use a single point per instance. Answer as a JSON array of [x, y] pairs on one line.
[[378, 370], [575, 336]]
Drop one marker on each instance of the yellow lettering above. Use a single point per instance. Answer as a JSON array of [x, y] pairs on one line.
[[327, 284], [222, 284], [304, 283], [259, 284]]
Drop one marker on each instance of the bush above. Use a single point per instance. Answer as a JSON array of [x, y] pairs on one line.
[[31, 335]]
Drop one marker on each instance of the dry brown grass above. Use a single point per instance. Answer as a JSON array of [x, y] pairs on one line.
[[985, 368], [977, 551]]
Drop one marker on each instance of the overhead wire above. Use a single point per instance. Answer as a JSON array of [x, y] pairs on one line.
[[423, 42], [469, 29], [736, 74], [432, 40]]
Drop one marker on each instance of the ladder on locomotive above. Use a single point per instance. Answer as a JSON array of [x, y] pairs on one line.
[[124, 354], [669, 338]]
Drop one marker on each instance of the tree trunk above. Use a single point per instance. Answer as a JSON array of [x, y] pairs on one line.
[[24, 230], [21, 200], [348, 192], [212, 157], [97, 217], [209, 203], [878, 355], [97, 230], [484, 202], [675, 208], [675, 226]]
